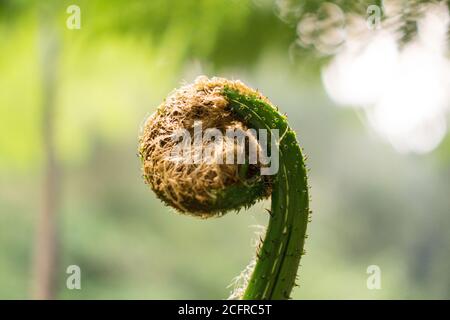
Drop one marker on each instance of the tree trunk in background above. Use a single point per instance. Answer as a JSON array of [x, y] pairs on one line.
[[46, 243]]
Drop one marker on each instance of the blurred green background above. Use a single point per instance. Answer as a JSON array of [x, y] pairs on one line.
[[71, 106]]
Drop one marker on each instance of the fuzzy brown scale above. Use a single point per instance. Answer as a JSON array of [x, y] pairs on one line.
[[193, 188]]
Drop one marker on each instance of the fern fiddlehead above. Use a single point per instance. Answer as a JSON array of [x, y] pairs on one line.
[[207, 189]]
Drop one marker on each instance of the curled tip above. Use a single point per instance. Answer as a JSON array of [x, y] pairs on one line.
[[185, 159], [184, 164]]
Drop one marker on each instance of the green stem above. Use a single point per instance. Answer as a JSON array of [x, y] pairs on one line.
[[279, 256]]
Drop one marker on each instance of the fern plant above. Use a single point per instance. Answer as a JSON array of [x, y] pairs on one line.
[[212, 189]]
